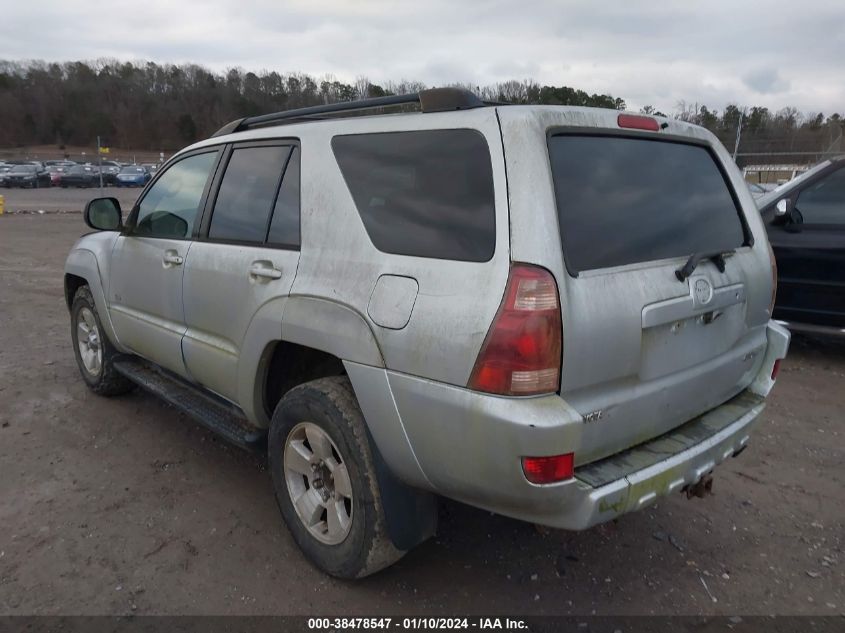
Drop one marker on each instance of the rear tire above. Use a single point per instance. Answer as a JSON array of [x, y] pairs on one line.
[[93, 351], [325, 482]]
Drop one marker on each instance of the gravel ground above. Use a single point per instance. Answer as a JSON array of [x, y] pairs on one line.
[[58, 200], [118, 506]]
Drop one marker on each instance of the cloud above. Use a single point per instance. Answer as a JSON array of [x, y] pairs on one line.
[[765, 81], [715, 53]]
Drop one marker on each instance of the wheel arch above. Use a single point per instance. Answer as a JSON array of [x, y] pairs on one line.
[[320, 333], [320, 338], [81, 269]]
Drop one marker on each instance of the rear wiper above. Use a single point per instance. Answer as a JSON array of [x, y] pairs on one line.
[[717, 258]]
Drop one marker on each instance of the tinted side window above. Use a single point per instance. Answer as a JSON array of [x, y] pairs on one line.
[[246, 194], [823, 202], [627, 200], [284, 227], [169, 208], [424, 193]]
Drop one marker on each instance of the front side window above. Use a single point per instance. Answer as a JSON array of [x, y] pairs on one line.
[[247, 192], [423, 193], [169, 208], [823, 202]]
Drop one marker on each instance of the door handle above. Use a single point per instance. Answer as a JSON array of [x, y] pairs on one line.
[[172, 257], [265, 271]]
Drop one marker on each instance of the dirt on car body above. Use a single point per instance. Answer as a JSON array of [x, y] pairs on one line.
[[124, 506]]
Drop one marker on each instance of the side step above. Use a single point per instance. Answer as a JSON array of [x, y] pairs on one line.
[[220, 416]]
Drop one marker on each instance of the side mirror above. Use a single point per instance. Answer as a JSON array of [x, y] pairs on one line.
[[788, 216], [104, 214]]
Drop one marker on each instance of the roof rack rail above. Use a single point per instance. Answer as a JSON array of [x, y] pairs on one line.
[[431, 100]]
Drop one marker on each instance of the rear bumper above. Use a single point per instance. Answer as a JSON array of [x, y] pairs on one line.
[[634, 479], [467, 446], [812, 328]]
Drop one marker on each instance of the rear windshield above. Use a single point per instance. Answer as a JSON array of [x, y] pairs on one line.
[[628, 200]]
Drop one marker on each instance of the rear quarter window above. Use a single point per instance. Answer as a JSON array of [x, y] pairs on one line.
[[423, 193], [628, 200]]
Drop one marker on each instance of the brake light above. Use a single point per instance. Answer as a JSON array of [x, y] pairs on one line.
[[548, 470], [776, 368], [522, 352], [637, 122]]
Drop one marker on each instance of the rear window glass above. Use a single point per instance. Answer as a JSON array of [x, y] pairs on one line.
[[247, 193], [423, 193], [626, 200], [284, 227]]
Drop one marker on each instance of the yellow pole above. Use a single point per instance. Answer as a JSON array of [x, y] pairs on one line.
[[2, 205]]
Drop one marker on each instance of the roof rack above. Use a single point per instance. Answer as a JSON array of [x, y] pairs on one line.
[[431, 100]]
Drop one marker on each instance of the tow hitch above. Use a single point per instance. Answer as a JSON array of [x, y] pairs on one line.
[[701, 488]]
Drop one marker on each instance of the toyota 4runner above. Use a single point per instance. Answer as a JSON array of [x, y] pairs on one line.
[[557, 314]]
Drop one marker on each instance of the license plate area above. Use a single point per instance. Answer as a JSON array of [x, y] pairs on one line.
[[683, 332]]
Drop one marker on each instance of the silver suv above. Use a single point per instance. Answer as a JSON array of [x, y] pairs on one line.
[[557, 314]]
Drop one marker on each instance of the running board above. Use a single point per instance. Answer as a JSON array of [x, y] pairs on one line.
[[216, 414]]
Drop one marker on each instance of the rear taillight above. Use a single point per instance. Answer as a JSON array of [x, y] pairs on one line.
[[522, 352], [776, 369], [548, 470], [637, 122]]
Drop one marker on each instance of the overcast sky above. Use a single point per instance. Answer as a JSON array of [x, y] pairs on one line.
[[773, 52]]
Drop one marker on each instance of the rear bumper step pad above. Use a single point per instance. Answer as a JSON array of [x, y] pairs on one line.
[[684, 437]]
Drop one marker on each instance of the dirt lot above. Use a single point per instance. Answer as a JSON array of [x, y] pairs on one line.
[[56, 199], [116, 506]]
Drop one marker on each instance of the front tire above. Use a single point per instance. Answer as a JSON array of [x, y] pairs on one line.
[[325, 482], [93, 351]]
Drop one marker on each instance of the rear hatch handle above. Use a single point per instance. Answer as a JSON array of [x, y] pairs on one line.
[[717, 258]]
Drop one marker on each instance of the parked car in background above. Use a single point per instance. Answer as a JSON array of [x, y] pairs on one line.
[[133, 176], [151, 167], [805, 220], [16, 161], [755, 189], [4, 169], [424, 307], [27, 175], [57, 170], [110, 169], [80, 176]]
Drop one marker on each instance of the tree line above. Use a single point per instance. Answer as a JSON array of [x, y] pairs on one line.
[[150, 106]]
